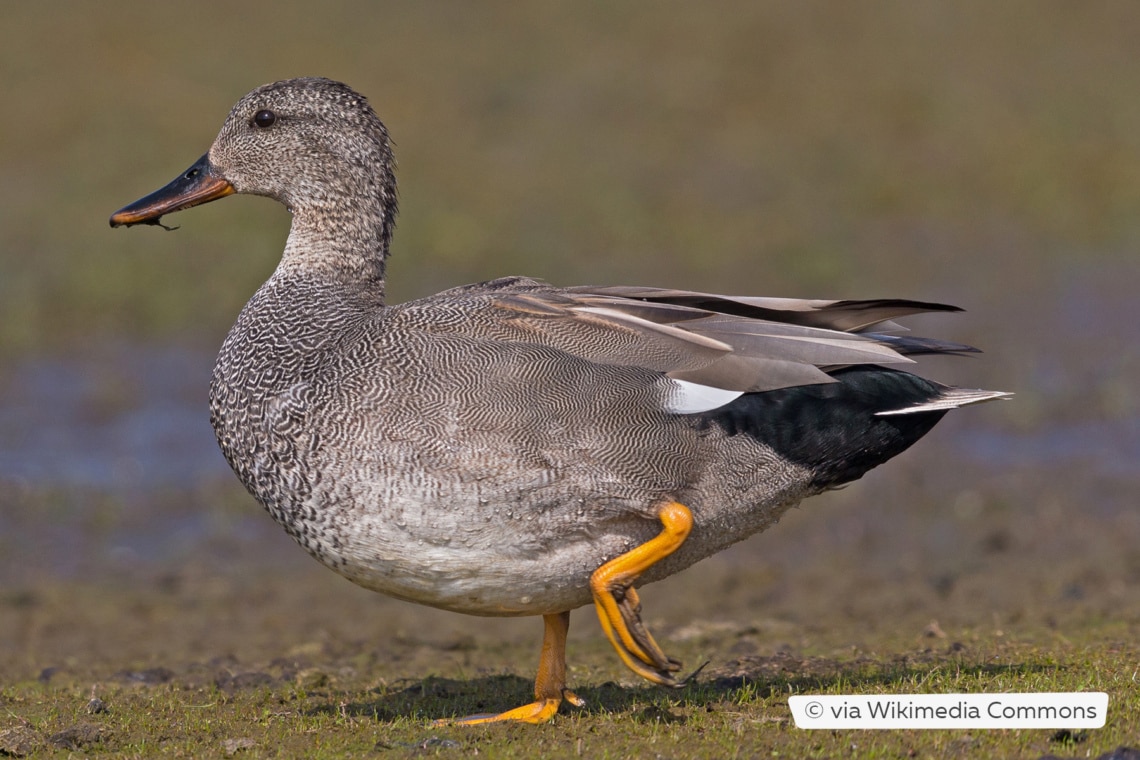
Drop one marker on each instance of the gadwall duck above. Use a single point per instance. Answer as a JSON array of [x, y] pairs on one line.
[[511, 447]]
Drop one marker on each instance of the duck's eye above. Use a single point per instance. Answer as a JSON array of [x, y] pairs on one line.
[[264, 118]]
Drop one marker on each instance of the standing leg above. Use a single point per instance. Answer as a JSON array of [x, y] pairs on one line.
[[550, 685]]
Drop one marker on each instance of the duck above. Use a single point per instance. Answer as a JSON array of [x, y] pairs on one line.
[[514, 448]]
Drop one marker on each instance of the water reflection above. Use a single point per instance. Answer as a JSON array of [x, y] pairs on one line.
[[122, 416]]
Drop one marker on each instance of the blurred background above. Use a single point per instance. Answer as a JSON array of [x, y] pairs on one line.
[[982, 154]]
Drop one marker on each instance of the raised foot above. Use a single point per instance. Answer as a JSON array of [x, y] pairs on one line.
[[619, 609]]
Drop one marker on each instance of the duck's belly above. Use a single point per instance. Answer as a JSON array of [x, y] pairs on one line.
[[507, 549], [477, 554], [490, 572]]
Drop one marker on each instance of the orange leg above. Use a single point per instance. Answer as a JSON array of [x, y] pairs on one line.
[[619, 608], [550, 685]]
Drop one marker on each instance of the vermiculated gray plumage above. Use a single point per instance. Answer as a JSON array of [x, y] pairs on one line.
[[486, 449]]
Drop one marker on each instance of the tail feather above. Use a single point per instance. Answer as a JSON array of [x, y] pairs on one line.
[[948, 398], [909, 345]]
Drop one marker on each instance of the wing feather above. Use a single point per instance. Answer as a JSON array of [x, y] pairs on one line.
[[730, 343]]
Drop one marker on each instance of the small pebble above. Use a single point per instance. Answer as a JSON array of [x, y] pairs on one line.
[[232, 746]]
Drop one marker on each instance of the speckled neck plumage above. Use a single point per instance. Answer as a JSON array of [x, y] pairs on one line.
[[345, 247]]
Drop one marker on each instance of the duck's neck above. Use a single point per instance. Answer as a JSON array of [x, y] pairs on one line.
[[342, 242]]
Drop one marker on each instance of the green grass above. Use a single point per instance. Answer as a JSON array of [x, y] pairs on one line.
[[329, 708], [294, 663]]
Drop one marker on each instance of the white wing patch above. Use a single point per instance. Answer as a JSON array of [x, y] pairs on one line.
[[685, 397]]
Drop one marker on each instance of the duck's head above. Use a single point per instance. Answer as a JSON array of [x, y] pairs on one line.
[[313, 144]]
